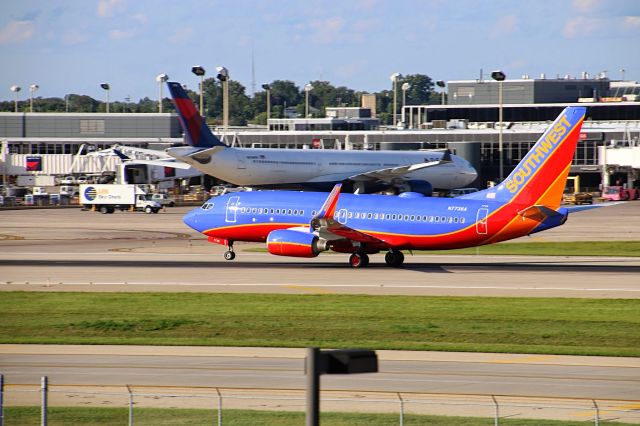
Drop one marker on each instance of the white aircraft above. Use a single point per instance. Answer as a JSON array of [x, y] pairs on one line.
[[364, 171]]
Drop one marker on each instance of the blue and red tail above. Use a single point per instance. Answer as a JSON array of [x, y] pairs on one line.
[[540, 177], [195, 129]]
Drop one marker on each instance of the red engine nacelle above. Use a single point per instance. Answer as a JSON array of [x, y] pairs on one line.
[[288, 242]]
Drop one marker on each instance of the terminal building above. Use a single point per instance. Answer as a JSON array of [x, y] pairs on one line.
[[469, 126]]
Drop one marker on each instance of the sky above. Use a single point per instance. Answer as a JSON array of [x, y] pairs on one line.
[[72, 46]]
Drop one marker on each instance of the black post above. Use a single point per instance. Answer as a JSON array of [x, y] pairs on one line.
[[313, 386]]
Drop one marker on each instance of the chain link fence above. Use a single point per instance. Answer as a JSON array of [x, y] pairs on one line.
[[136, 405]]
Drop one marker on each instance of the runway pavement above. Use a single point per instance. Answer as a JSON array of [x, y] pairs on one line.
[[74, 250]]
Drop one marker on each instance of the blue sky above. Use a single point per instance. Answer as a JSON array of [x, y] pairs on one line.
[[72, 46]]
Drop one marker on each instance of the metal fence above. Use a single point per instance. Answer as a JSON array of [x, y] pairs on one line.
[[214, 406]]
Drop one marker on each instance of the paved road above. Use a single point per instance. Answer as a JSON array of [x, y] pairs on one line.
[[264, 368]]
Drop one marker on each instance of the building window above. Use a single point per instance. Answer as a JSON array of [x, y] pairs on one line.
[[92, 127]]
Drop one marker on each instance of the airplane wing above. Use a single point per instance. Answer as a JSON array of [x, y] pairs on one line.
[[329, 228], [173, 164], [392, 173]]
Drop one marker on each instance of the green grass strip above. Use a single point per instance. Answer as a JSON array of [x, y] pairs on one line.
[[474, 324], [572, 248], [105, 416]]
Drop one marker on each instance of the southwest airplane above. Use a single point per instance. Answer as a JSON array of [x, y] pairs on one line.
[[319, 170], [303, 224]]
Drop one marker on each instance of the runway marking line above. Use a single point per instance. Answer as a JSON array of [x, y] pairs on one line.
[[306, 289], [316, 287]]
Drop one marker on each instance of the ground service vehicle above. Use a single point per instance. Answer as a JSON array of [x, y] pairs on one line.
[[163, 199], [620, 193], [106, 198]]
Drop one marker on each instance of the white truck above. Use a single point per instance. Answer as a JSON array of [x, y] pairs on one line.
[[106, 198]]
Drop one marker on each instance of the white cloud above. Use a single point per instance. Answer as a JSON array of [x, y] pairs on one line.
[[581, 26], [121, 34], [632, 22], [16, 32], [586, 5], [327, 31], [181, 35], [109, 8], [504, 26]]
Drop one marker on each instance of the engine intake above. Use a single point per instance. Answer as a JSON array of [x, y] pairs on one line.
[[289, 242]]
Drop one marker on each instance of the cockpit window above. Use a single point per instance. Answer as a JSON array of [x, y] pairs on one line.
[[207, 206]]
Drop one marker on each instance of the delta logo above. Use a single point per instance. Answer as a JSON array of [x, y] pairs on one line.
[[538, 156]]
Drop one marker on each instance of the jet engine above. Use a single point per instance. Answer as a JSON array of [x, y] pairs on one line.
[[420, 186], [289, 242]]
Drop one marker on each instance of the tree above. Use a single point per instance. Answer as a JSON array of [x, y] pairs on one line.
[[421, 90], [240, 108]]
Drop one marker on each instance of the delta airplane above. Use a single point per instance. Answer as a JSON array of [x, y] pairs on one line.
[[319, 170], [303, 224]]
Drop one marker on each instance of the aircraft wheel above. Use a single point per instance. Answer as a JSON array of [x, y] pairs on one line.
[[358, 260], [229, 255], [394, 258]]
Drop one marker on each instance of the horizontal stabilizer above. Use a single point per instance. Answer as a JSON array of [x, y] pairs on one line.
[[538, 213]]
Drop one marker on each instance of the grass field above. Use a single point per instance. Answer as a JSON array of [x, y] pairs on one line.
[[573, 248], [86, 416], [474, 324]]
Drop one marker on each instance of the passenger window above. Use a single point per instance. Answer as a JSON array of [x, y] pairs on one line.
[[350, 215], [413, 217], [289, 212], [462, 220], [369, 216]]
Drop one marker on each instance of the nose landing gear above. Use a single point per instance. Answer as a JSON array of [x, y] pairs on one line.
[[229, 254]]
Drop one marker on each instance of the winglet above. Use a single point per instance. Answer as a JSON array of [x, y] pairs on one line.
[[329, 207], [195, 129]]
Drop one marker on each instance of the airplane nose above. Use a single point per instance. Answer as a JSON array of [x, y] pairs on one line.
[[191, 220]]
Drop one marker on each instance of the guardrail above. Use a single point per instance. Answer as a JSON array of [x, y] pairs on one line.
[[217, 404]]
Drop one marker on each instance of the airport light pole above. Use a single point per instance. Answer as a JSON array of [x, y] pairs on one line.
[[499, 76], [200, 72], [394, 80], [267, 88], [15, 89], [32, 89], [223, 76], [441, 84], [405, 87], [307, 88], [161, 79], [106, 88]]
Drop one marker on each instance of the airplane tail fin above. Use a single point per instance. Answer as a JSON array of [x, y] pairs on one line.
[[541, 176], [195, 129]]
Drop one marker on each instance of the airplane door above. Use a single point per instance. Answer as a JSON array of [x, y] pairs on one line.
[[341, 216], [232, 209], [481, 221], [241, 161]]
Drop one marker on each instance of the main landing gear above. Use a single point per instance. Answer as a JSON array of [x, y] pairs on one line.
[[229, 254], [394, 258], [359, 259]]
